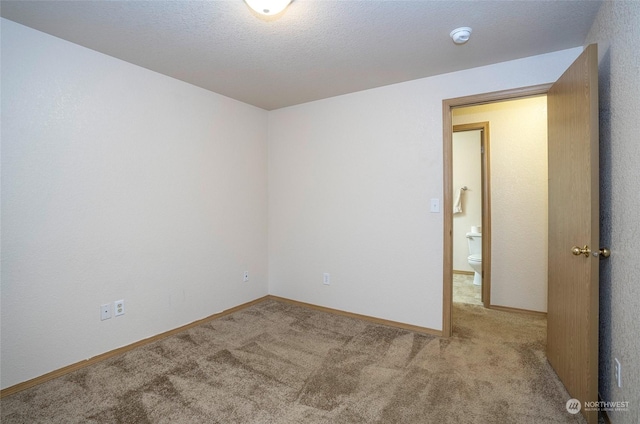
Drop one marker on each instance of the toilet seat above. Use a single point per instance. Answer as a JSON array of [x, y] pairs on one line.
[[475, 258]]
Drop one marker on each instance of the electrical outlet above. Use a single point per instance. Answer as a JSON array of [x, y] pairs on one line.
[[245, 278], [326, 278], [118, 307], [105, 311], [618, 371]]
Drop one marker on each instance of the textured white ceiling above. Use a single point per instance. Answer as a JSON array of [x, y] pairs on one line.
[[313, 50]]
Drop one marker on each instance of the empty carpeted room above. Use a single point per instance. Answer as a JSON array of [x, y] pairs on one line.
[[211, 213]]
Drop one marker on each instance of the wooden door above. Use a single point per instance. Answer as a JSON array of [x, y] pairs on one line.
[[572, 317]]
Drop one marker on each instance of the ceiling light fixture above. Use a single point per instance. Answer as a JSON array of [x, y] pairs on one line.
[[460, 35], [268, 7]]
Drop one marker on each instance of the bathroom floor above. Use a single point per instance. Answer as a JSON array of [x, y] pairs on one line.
[[464, 291]]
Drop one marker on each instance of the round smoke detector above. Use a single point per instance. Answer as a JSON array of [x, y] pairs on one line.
[[460, 35]]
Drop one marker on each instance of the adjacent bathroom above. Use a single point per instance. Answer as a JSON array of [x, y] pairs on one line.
[[509, 182], [467, 215]]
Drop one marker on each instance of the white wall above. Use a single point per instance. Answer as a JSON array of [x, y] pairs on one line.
[[519, 199], [616, 31], [118, 182], [350, 179], [467, 171]]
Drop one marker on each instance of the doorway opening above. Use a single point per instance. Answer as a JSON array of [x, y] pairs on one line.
[[449, 189], [472, 214]]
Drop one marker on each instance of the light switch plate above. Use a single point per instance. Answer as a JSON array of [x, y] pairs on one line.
[[435, 205]]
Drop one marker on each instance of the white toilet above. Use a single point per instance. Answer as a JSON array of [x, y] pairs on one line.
[[475, 256]]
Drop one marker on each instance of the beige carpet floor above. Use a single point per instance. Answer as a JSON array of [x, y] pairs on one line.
[[279, 363]]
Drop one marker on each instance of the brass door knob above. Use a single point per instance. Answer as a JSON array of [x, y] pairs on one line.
[[581, 251], [603, 252]]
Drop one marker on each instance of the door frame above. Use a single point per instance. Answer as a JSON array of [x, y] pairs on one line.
[[485, 183], [447, 129]]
